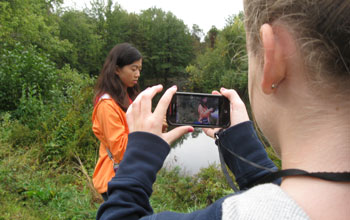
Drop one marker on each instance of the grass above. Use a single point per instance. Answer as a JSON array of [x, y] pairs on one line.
[[33, 188], [35, 191], [30, 190]]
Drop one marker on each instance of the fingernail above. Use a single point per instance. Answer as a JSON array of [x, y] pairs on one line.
[[223, 89], [174, 87], [190, 130]]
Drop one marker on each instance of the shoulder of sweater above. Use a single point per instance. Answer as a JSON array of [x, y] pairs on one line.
[[107, 105], [267, 201], [108, 102]]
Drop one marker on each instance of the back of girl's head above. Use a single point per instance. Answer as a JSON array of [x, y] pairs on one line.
[[109, 82], [321, 29]]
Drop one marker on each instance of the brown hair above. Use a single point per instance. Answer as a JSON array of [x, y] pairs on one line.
[[109, 82], [322, 31]]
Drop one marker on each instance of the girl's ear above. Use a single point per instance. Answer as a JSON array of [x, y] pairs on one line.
[[274, 69]]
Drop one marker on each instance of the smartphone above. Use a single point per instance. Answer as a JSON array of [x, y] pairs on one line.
[[199, 110]]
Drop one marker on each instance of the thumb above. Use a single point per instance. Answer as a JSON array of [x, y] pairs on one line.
[[174, 134], [210, 131]]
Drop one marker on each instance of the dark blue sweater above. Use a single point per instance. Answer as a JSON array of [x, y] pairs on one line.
[[130, 189]]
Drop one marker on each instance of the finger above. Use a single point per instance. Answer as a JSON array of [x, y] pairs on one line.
[[232, 95], [152, 91], [134, 108], [131, 114], [210, 131], [148, 92], [215, 92], [146, 100], [238, 111], [139, 96], [174, 134], [134, 111], [164, 102], [129, 119]]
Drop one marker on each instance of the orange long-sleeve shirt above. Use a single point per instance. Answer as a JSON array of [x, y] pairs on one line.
[[111, 128]]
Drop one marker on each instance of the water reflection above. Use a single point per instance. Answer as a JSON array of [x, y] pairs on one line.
[[193, 152]]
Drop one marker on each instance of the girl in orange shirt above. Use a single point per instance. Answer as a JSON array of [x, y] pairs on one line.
[[115, 89]]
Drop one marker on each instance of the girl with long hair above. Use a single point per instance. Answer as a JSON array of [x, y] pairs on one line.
[[116, 88]]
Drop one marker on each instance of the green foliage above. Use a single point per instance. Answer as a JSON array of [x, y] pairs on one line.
[[224, 65], [177, 192], [211, 36], [38, 147], [58, 122], [5, 122], [21, 135], [164, 40], [197, 35], [69, 125], [23, 69], [30, 190], [120, 26], [32, 22], [80, 30], [31, 107], [166, 44]]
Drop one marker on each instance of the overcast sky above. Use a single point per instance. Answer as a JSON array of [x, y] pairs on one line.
[[204, 13]]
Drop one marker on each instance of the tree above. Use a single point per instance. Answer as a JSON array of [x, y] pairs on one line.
[[197, 35], [120, 26], [166, 44], [32, 22], [113, 25], [196, 32], [211, 36], [225, 64], [80, 30]]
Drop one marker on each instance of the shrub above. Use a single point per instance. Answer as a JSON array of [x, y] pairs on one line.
[[68, 120], [59, 123], [177, 192], [225, 65], [22, 68]]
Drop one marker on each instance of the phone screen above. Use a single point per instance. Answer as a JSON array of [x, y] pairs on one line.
[[199, 110]]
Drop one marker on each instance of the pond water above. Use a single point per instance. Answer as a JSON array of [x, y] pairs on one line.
[[193, 152]]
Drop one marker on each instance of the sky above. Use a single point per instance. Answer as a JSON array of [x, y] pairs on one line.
[[204, 13]]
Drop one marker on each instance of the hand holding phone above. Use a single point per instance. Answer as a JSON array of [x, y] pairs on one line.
[[238, 111], [199, 110], [141, 118]]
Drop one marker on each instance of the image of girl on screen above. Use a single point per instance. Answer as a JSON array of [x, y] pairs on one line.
[[204, 112]]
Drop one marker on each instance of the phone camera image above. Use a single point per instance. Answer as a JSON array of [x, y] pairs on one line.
[[199, 110]]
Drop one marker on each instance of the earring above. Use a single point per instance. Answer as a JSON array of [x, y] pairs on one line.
[[273, 86]]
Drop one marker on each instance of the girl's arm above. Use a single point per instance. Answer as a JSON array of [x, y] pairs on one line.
[[204, 113], [112, 129]]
